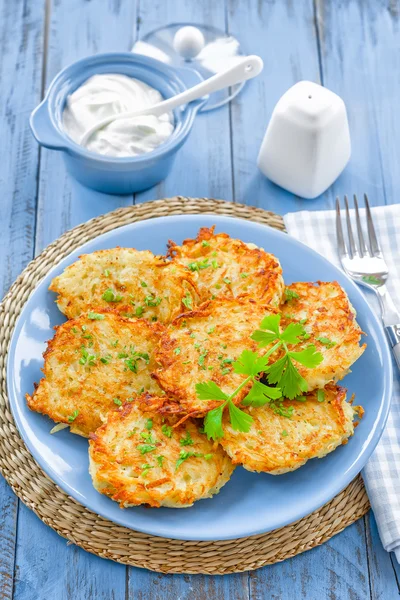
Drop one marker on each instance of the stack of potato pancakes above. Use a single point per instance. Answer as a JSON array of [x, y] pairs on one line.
[[143, 331]]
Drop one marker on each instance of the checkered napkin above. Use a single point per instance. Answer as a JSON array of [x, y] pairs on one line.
[[382, 472]]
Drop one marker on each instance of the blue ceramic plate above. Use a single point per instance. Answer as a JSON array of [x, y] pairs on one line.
[[249, 503]]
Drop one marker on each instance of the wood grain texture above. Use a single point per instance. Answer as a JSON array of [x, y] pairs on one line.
[[21, 38], [204, 164], [283, 34], [354, 46], [78, 28], [49, 568]]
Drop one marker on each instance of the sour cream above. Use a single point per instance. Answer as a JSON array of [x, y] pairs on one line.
[[104, 95]]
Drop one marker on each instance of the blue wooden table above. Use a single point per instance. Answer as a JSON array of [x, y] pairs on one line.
[[352, 47]]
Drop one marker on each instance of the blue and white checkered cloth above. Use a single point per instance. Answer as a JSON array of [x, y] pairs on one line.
[[382, 472]]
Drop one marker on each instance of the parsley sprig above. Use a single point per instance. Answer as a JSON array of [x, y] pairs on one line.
[[282, 373]]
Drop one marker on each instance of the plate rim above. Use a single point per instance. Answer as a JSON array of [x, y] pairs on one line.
[[346, 478]]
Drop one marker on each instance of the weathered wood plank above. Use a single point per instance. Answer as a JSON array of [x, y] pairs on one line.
[[283, 34], [76, 29], [203, 166], [360, 53], [144, 585], [47, 569], [21, 35], [383, 567], [337, 570], [272, 25]]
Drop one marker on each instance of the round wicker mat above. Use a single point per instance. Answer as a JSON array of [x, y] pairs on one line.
[[100, 536]]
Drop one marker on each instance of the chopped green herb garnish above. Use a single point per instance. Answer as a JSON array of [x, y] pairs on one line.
[[145, 469], [290, 294], [143, 284], [284, 433], [111, 296], [106, 272], [187, 440], [187, 301], [211, 329], [160, 460], [214, 264], [208, 456], [86, 358], [95, 316], [205, 244], [106, 359], [167, 430], [184, 455], [139, 311], [244, 275], [326, 342], [146, 448], [149, 424], [320, 395], [72, 417], [151, 300], [177, 351], [227, 280], [117, 401]]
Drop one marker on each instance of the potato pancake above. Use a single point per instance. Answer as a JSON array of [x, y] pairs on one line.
[[330, 322], [202, 345], [92, 364], [139, 457], [134, 283], [229, 267], [277, 444]]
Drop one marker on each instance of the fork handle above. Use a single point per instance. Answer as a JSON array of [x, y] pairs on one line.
[[393, 333]]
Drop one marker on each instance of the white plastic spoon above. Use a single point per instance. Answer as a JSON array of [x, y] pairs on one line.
[[246, 69]]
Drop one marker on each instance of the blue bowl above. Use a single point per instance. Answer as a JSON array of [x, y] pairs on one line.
[[115, 175]]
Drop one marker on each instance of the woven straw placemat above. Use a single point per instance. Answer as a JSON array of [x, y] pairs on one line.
[[100, 536]]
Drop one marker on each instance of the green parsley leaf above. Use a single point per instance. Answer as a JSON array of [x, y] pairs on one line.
[[213, 423], [309, 357], [95, 316], [271, 323], [249, 363], [111, 296], [209, 390], [260, 394], [240, 420], [292, 384], [292, 333]]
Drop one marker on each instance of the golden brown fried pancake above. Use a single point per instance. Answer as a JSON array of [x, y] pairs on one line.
[[229, 267], [92, 365], [137, 457], [132, 282], [277, 444]]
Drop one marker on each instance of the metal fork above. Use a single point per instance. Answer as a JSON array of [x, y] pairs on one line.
[[366, 265]]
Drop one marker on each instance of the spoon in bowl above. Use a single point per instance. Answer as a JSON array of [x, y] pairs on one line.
[[249, 67]]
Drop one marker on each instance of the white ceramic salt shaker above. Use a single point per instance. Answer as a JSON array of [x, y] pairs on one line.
[[307, 142]]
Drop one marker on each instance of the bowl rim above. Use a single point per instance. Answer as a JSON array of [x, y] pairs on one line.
[[183, 119]]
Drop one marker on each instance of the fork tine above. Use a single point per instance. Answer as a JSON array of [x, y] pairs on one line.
[[353, 249], [373, 240], [363, 247], [339, 231]]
